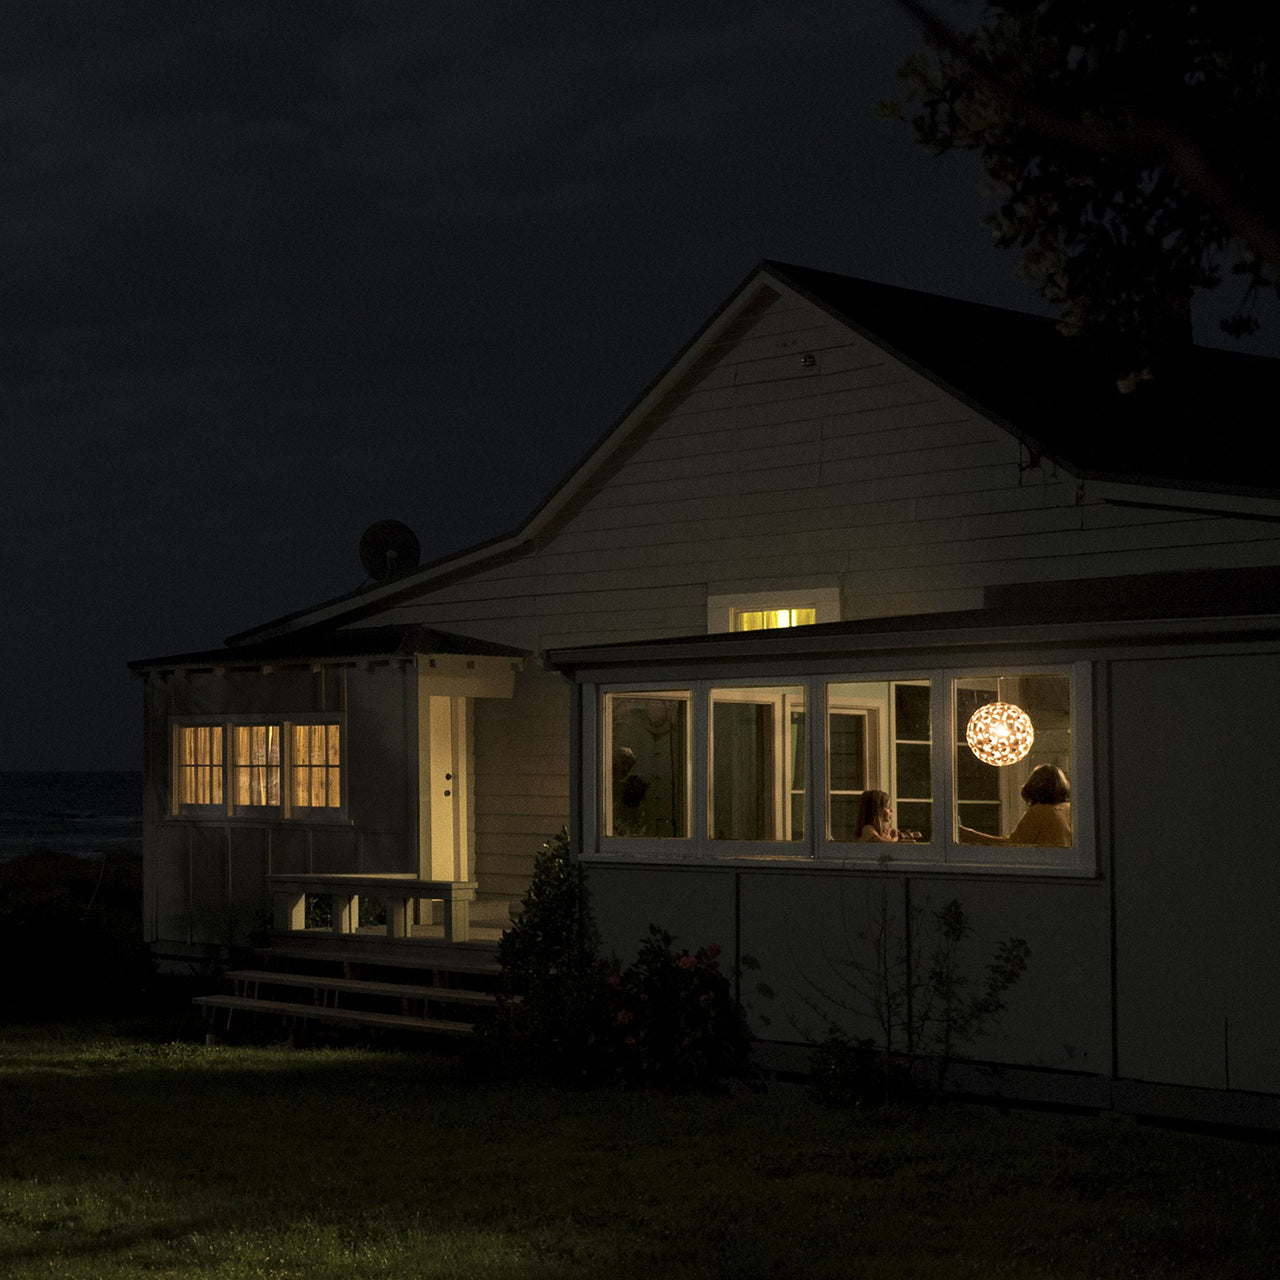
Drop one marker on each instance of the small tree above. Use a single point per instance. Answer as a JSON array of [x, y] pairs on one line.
[[552, 1004], [917, 993]]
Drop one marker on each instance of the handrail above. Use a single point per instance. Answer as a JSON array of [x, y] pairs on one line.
[[344, 891]]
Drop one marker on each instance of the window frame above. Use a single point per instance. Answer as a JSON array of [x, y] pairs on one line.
[[229, 809], [722, 609], [944, 853]]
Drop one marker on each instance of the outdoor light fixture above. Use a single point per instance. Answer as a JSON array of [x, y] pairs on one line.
[[1000, 733]]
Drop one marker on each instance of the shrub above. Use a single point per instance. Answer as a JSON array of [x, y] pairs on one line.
[[676, 1023], [71, 935], [552, 1003], [567, 1014]]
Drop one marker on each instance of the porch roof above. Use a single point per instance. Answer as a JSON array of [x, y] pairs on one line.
[[349, 644]]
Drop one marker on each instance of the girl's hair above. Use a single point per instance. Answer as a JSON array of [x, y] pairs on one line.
[[1046, 785], [872, 812]]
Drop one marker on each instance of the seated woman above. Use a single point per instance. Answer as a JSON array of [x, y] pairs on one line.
[[875, 821], [1047, 820]]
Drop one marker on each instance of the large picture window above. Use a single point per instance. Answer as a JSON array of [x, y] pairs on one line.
[[888, 774]]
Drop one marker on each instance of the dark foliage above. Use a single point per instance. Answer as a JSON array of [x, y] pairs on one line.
[[917, 991], [676, 1023], [569, 1015], [1129, 150], [71, 935], [553, 1003]]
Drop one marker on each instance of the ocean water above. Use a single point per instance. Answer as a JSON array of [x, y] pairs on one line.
[[79, 813]]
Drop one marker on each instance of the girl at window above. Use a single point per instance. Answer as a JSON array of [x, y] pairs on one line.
[[875, 821]]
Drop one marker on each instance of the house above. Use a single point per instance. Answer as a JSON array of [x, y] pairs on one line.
[[845, 518]]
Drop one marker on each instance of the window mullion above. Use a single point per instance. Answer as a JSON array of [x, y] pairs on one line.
[[700, 768]]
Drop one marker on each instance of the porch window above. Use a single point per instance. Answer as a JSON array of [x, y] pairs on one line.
[[289, 768], [743, 770], [315, 766], [256, 769], [989, 805], [647, 741], [879, 737], [757, 763], [199, 770]]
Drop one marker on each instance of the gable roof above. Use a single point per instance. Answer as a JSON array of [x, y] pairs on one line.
[[1056, 395], [1059, 395]]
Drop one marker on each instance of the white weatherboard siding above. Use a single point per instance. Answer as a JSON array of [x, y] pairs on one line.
[[759, 474]]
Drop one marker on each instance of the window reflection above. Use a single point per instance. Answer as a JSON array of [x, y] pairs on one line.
[[648, 747]]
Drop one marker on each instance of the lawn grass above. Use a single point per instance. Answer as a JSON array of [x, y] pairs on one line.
[[124, 1157]]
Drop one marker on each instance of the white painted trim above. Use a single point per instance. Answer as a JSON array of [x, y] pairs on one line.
[[825, 600]]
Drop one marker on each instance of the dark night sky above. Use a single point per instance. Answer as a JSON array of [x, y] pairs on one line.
[[276, 270]]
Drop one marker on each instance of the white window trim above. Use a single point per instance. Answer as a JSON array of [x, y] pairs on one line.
[[825, 601], [229, 809], [943, 854]]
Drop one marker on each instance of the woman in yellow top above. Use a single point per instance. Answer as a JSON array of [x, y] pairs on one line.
[[1047, 820]]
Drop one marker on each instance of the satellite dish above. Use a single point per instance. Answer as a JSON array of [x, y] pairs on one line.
[[388, 548]]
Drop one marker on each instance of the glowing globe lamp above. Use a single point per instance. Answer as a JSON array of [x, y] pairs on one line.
[[1000, 733]]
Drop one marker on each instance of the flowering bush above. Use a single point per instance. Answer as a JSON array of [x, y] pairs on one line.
[[567, 1014], [676, 1022]]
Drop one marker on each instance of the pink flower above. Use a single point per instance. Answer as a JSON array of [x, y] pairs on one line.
[[615, 980], [712, 951], [688, 962], [625, 1016], [631, 1039]]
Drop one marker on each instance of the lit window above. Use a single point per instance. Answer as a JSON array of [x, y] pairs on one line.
[[990, 807], [734, 769], [647, 778], [767, 619], [199, 764], [315, 766], [879, 738], [256, 769], [237, 768]]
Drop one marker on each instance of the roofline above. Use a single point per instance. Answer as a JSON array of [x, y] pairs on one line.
[[763, 283], [950, 636], [597, 457]]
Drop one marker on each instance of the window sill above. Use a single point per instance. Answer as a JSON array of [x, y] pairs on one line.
[[966, 860]]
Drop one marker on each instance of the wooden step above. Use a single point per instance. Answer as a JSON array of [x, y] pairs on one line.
[[318, 982], [481, 961], [325, 1013]]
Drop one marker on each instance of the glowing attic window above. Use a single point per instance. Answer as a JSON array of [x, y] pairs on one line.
[[768, 619]]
